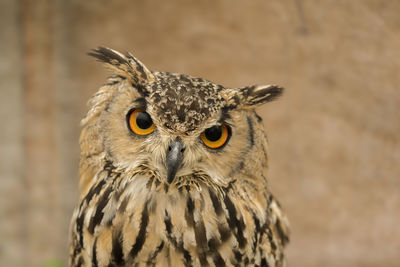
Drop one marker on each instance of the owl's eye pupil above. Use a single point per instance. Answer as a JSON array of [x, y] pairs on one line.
[[143, 120], [214, 133], [216, 136], [140, 122]]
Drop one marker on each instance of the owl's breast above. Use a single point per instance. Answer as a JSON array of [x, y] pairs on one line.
[[124, 221]]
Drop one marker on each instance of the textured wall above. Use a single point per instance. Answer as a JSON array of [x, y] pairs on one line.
[[334, 136]]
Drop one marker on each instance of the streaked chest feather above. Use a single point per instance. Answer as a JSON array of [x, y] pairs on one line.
[[135, 221]]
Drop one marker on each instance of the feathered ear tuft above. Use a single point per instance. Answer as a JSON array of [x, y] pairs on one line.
[[125, 65], [251, 96]]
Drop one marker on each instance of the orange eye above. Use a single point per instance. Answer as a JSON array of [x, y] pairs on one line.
[[140, 122], [216, 136]]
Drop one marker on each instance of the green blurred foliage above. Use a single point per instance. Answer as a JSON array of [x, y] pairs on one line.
[[53, 263]]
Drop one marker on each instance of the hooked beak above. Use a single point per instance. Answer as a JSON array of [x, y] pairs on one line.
[[174, 158]]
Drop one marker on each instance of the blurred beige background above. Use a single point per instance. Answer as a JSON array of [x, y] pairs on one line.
[[334, 136]]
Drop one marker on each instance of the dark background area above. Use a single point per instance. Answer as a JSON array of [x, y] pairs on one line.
[[334, 136]]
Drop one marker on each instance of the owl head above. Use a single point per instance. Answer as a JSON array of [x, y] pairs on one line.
[[181, 128]]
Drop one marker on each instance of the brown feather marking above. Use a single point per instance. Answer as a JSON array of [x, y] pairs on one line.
[[98, 216], [117, 253], [94, 254], [237, 226], [141, 237]]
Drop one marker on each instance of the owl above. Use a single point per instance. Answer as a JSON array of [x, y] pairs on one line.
[[173, 173]]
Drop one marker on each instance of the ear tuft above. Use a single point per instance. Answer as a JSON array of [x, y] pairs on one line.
[[251, 96], [125, 65]]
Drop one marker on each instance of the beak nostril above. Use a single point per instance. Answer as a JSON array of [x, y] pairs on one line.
[[183, 149], [169, 148]]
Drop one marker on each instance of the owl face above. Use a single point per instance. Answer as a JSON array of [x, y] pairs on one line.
[[176, 125]]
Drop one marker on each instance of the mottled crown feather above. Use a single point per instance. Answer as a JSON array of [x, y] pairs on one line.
[[183, 102]]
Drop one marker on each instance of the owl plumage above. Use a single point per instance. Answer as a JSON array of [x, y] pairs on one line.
[[173, 173]]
